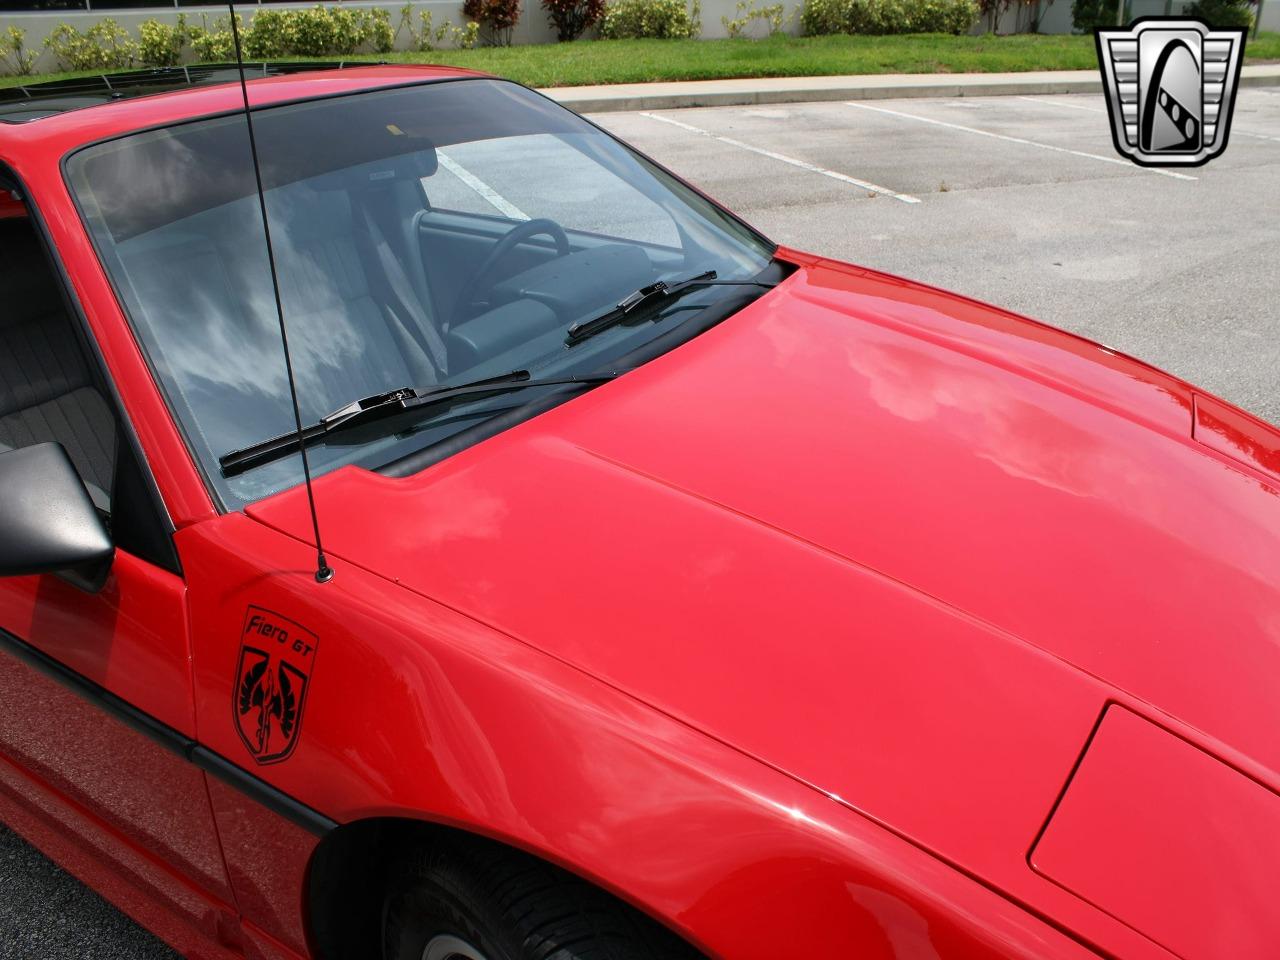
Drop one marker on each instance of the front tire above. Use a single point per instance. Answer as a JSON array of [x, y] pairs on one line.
[[477, 901]]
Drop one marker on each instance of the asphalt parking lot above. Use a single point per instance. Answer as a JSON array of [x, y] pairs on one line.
[[1018, 201], [1023, 202]]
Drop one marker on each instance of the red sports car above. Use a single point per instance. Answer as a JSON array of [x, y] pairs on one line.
[[678, 594]]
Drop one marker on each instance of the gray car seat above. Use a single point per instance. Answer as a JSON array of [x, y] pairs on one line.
[[201, 292], [46, 391]]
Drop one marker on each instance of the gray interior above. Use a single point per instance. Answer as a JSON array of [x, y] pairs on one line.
[[366, 313], [46, 390], [202, 288]]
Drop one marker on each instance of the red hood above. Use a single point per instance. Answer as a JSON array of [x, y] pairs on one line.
[[897, 544]]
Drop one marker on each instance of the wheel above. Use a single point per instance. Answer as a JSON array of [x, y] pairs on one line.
[[477, 901], [478, 287]]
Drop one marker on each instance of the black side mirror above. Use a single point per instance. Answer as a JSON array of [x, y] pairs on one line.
[[48, 524]]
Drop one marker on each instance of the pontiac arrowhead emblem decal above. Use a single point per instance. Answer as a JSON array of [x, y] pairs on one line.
[[272, 676], [1170, 85]]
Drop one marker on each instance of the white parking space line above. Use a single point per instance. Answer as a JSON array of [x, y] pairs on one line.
[[1063, 103], [802, 164], [1018, 140], [1236, 131], [492, 196]]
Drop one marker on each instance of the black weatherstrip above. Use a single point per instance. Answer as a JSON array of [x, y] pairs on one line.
[[172, 740]]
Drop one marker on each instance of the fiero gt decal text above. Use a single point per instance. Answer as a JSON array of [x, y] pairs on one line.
[[273, 673]]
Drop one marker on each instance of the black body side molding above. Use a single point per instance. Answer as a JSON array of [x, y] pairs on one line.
[[277, 801]]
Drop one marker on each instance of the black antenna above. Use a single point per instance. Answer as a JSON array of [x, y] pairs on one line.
[[324, 572]]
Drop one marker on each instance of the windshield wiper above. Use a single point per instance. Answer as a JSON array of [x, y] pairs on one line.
[[628, 307], [389, 404]]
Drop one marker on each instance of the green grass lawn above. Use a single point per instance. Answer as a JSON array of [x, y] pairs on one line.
[[638, 61]]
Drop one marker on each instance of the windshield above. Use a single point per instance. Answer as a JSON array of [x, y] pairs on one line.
[[424, 236]]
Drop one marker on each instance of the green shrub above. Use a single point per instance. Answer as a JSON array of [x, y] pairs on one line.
[[216, 45], [14, 55], [336, 30], [423, 36], [1089, 14], [661, 19], [104, 46], [879, 17], [572, 18], [748, 13], [882, 17], [161, 44], [376, 27], [317, 32], [497, 18], [944, 16], [824, 17], [267, 35], [466, 36], [1223, 13]]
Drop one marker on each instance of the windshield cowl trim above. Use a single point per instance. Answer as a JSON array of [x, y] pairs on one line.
[[716, 313]]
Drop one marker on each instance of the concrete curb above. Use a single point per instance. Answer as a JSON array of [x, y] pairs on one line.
[[737, 93]]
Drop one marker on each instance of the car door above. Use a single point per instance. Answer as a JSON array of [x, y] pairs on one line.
[[96, 710]]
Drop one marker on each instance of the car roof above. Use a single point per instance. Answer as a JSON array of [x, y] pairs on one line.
[[74, 112]]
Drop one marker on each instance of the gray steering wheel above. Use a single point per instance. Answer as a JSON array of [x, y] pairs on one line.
[[485, 278]]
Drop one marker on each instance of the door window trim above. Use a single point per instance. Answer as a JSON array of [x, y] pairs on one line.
[[127, 441]]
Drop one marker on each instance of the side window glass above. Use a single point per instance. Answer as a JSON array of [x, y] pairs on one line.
[[50, 391], [47, 390]]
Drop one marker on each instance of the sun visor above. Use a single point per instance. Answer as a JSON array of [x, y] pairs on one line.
[[152, 178], [419, 164]]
